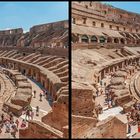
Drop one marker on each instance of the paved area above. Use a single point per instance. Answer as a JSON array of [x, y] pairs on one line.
[[110, 112]]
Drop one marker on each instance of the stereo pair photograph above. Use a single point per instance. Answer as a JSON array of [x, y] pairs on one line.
[[69, 69]]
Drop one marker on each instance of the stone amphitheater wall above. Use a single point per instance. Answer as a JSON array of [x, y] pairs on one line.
[[81, 125], [50, 79]]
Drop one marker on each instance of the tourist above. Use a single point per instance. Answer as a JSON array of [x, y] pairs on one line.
[[106, 91], [40, 96], [13, 132], [2, 117], [23, 124], [34, 94], [128, 117], [101, 83], [7, 124], [32, 115], [129, 127], [109, 103], [27, 114], [104, 84], [37, 110], [138, 126], [101, 91], [97, 92], [113, 103], [11, 117], [17, 122]]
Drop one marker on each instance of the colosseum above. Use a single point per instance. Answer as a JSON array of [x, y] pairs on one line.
[[105, 71], [34, 78]]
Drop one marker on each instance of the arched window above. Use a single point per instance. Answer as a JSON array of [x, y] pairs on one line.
[[84, 38], [116, 40], [75, 38], [94, 39], [138, 42], [109, 40], [102, 39], [122, 41]]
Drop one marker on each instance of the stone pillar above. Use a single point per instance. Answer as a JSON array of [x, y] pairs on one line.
[[80, 39], [89, 39], [37, 77]]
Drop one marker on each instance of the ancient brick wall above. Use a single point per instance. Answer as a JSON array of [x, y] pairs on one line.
[[82, 102], [81, 125], [111, 127], [37, 129]]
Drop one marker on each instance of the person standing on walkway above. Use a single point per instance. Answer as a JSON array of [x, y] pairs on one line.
[[23, 124], [104, 84], [138, 126], [37, 110], [101, 83], [40, 96], [27, 114], [129, 127], [97, 92], [17, 122], [101, 91], [32, 115], [2, 117], [7, 124], [34, 94]]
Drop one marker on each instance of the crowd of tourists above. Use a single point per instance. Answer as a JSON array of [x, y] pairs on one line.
[[133, 117], [109, 94], [9, 124]]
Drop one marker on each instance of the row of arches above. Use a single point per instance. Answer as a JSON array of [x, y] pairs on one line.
[[101, 39], [85, 38]]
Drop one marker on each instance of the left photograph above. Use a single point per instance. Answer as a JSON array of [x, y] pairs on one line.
[[34, 70]]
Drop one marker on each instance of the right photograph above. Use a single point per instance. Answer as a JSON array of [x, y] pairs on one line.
[[105, 69]]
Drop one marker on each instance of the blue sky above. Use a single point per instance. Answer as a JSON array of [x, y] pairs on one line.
[[132, 6], [27, 14]]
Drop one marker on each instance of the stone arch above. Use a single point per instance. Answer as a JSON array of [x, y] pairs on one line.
[[133, 41], [84, 38], [102, 39], [128, 41], [74, 38], [122, 40], [116, 40], [109, 40], [138, 42], [94, 38]]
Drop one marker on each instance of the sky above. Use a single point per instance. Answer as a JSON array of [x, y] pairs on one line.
[[27, 14], [132, 6]]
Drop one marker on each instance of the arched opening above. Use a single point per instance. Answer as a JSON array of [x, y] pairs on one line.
[[102, 39], [84, 39], [109, 40], [122, 41], [128, 41], [74, 38], [94, 39], [133, 41], [116, 40], [138, 41]]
